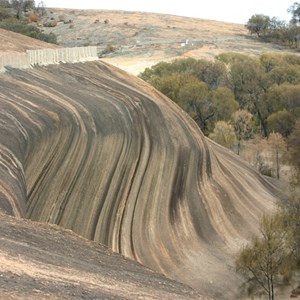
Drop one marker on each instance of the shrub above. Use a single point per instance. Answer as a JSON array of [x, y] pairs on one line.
[[4, 14], [21, 27], [108, 49], [33, 18], [223, 134]]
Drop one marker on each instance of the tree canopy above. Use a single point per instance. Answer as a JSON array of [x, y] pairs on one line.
[[268, 87], [272, 29]]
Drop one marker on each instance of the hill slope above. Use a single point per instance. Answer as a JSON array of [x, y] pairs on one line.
[[100, 152], [139, 40], [12, 42]]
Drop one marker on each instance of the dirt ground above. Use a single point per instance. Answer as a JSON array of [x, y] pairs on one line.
[[42, 261], [137, 40]]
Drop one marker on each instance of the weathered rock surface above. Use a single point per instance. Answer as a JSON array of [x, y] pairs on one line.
[[100, 152], [41, 261]]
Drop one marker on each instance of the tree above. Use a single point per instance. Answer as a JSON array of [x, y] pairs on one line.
[[294, 147], [282, 102], [224, 104], [4, 4], [22, 6], [41, 8], [214, 74], [263, 259], [278, 148], [243, 126], [223, 134], [289, 35], [195, 98], [170, 85], [295, 11], [271, 60], [282, 122], [230, 57], [258, 24], [248, 81], [285, 74], [290, 213]]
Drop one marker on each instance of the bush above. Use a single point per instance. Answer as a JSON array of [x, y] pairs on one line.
[[262, 167], [4, 4], [108, 49], [33, 18], [21, 27], [4, 14]]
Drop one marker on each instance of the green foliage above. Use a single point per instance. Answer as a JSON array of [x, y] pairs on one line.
[[274, 30], [258, 24], [22, 27], [214, 74], [249, 82], [294, 147], [231, 57], [265, 257], [285, 74], [195, 98], [224, 104], [108, 49], [243, 126], [197, 86], [223, 134], [267, 87], [282, 122], [276, 251], [272, 60], [283, 97], [4, 14], [290, 214], [295, 11], [4, 4], [21, 6]]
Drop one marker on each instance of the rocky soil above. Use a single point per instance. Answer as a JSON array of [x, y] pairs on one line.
[[40, 261], [136, 40]]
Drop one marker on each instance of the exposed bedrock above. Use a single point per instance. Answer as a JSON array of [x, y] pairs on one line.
[[90, 148]]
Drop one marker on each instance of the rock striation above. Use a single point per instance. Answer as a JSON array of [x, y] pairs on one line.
[[92, 149]]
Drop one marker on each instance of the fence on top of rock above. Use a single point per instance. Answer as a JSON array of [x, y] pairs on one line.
[[48, 56]]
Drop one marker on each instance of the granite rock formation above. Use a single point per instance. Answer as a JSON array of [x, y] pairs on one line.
[[92, 149]]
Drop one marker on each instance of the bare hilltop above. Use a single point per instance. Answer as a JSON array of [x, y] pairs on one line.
[[136, 40]]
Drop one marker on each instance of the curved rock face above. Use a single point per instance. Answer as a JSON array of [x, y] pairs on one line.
[[92, 149]]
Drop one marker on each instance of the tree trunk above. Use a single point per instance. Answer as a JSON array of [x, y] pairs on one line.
[[272, 288], [238, 147], [277, 163]]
